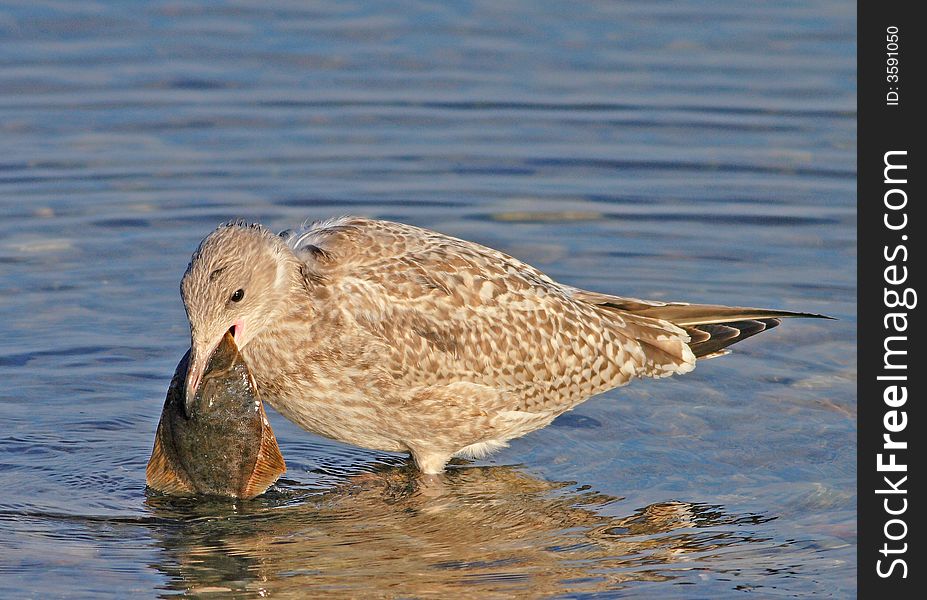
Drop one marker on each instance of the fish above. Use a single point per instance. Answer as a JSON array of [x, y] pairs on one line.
[[218, 443]]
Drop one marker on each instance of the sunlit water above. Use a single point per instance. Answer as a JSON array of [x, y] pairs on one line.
[[701, 151]]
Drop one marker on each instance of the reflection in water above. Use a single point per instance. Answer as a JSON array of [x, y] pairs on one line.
[[492, 531]]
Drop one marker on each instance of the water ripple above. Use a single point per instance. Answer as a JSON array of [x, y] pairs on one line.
[[655, 150]]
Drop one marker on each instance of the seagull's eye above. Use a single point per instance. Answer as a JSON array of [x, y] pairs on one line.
[[238, 295]]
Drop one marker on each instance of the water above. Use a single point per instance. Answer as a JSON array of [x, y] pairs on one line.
[[702, 151]]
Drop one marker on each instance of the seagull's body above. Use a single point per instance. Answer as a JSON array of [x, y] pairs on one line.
[[393, 337]]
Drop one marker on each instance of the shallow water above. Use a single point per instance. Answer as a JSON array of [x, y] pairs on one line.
[[701, 151]]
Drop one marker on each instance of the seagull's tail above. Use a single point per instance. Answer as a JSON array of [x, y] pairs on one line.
[[711, 328]]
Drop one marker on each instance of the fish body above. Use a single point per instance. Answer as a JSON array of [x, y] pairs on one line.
[[219, 442]]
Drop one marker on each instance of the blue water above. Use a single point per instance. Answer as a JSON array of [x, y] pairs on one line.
[[700, 151]]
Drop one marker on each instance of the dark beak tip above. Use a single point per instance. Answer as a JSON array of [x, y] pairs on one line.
[[186, 407], [189, 395], [189, 403]]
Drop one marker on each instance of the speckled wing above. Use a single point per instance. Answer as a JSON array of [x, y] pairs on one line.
[[447, 310]]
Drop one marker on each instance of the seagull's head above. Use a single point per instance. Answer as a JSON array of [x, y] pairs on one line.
[[237, 281]]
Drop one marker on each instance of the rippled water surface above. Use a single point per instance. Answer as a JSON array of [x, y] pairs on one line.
[[700, 151]]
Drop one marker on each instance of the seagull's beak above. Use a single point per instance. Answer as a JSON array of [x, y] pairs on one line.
[[199, 359], [199, 356]]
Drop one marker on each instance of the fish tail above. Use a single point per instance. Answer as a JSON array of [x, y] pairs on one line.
[[162, 473], [269, 465]]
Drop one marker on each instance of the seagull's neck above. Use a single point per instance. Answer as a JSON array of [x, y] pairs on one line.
[[288, 322]]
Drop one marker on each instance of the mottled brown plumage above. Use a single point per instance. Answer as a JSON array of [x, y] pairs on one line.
[[397, 338]]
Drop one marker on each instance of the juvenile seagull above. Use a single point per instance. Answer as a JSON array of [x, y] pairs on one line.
[[396, 338]]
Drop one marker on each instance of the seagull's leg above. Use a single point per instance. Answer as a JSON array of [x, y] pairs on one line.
[[430, 462]]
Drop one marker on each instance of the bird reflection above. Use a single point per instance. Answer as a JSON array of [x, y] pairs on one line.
[[492, 531]]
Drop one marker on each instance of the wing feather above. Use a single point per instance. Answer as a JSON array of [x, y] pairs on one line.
[[446, 310], [710, 327]]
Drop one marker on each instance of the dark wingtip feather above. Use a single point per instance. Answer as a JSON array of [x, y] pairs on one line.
[[817, 316], [711, 327], [803, 315], [722, 335]]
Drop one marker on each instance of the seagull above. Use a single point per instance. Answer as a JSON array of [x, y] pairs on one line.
[[397, 338]]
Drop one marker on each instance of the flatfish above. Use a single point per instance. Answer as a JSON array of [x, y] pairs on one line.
[[218, 443]]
